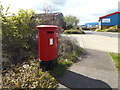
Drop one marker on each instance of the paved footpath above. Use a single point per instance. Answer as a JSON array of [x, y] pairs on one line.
[[95, 70]]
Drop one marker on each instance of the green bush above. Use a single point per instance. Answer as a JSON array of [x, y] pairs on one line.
[[28, 76], [19, 35], [71, 31], [69, 48]]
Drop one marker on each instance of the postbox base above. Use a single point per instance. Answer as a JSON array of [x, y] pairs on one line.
[[47, 65]]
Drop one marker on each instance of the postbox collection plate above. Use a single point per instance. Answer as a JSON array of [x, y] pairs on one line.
[[51, 41]]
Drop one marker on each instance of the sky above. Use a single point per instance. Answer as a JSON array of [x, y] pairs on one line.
[[86, 10]]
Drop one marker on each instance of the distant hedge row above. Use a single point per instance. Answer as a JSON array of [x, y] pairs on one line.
[[115, 28], [71, 31]]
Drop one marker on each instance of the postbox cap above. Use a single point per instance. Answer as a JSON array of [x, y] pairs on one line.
[[47, 26]]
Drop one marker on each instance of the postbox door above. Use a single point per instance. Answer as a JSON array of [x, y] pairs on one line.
[[42, 45], [52, 44]]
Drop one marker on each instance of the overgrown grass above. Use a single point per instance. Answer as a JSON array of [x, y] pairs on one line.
[[116, 59]]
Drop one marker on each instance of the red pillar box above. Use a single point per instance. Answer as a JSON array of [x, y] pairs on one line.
[[47, 44]]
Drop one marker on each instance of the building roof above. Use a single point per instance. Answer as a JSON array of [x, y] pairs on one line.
[[57, 13], [92, 23], [109, 15]]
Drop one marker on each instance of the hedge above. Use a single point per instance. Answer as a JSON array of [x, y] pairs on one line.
[[71, 31], [113, 29]]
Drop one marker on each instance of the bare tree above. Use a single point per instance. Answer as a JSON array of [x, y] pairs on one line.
[[48, 9], [47, 17]]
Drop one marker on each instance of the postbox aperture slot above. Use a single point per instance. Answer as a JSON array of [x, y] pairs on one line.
[[50, 32]]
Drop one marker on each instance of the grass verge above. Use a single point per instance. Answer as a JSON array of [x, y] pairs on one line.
[[116, 59]]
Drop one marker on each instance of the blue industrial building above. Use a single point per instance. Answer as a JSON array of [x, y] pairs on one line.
[[91, 25], [94, 24], [109, 20]]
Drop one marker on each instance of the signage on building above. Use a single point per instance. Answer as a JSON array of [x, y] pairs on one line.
[[107, 20]]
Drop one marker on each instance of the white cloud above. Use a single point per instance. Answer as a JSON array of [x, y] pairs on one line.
[[91, 10], [26, 4]]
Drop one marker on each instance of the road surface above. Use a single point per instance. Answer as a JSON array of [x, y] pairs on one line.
[[103, 41]]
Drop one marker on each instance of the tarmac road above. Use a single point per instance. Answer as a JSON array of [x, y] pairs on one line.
[[103, 41], [108, 34]]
